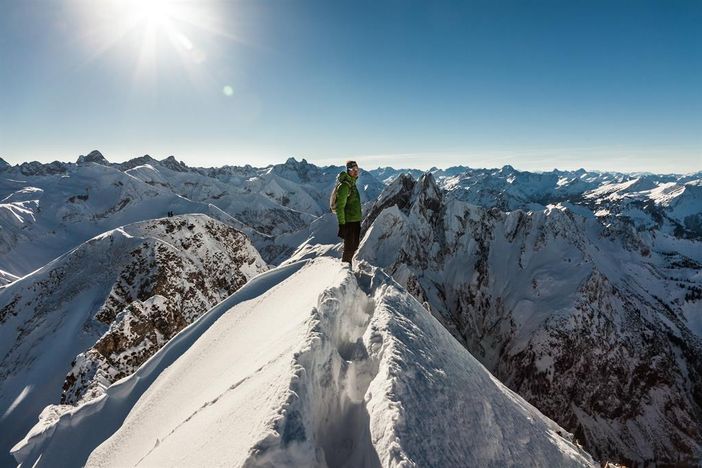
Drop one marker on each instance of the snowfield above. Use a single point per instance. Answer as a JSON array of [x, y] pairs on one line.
[[307, 365]]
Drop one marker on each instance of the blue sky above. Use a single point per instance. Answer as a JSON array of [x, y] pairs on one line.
[[535, 84]]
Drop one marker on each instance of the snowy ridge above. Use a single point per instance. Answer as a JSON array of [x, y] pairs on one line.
[[92, 316], [329, 385]]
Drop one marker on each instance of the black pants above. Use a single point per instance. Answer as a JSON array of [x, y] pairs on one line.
[[352, 235]]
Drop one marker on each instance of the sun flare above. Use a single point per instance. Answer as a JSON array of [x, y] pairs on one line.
[[157, 39], [153, 11]]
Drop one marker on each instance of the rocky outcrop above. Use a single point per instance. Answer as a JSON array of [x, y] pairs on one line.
[[164, 287]]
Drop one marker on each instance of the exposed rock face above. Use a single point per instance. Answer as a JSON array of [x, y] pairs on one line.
[[158, 293], [593, 327]]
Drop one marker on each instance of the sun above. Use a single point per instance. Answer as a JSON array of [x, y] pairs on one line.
[[156, 38], [156, 12]]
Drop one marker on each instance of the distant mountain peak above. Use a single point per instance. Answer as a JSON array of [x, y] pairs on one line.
[[427, 188], [139, 161], [507, 169], [94, 156], [172, 163], [3, 164], [292, 162]]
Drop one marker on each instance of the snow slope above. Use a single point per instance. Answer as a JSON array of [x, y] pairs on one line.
[[95, 314], [354, 373]]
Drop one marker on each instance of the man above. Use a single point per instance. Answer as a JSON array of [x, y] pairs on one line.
[[348, 210]]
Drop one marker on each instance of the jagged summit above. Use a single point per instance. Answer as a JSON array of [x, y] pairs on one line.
[[93, 157], [172, 163], [298, 171], [398, 193], [4, 164], [427, 188], [292, 161]]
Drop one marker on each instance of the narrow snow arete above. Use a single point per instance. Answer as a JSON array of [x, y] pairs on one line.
[[308, 365]]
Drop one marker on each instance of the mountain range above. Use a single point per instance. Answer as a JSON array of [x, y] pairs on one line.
[[579, 290]]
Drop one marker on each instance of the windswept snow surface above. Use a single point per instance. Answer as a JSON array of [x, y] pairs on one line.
[[307, 365]]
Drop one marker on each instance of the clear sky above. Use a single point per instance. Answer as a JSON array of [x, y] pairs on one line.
[[535, 84]]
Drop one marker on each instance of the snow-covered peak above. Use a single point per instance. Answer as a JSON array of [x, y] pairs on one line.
[[328, 385], [172, 163], [507, 170], [296, 171], [139, 161], [427, 191], [389, 174], [93, 157], [398, 193], [4, 164], [292, 162]]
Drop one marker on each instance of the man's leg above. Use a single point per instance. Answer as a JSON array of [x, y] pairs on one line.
[[351, 240], [348, 244]]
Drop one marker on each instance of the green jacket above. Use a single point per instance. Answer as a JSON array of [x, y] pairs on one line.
[[348, 200]]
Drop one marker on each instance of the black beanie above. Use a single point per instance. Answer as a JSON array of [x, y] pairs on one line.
[[350, 164]]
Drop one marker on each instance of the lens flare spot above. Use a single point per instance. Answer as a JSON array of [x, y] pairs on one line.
[[228, 91]]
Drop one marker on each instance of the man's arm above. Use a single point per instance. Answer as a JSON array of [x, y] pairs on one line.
[[341, 196]]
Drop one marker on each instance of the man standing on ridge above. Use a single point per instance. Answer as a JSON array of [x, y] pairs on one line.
[[348, 210]]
